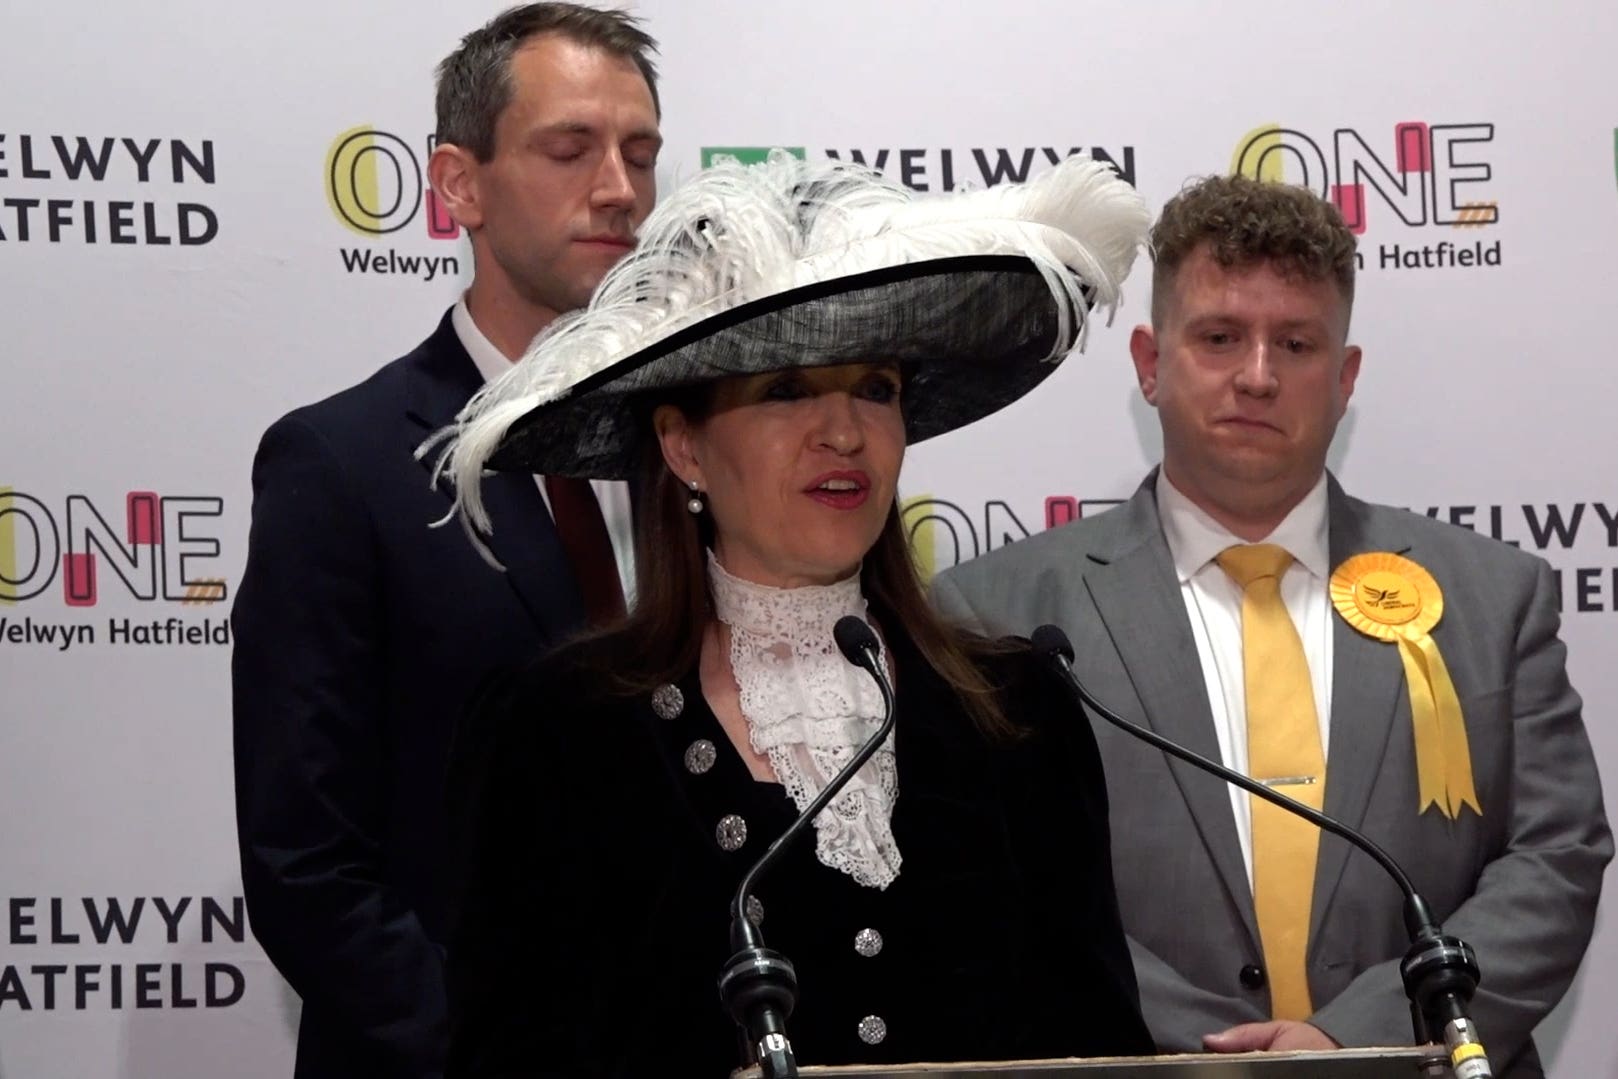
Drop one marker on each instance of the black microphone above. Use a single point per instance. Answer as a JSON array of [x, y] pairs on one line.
[[759, 986], [1440, 972]]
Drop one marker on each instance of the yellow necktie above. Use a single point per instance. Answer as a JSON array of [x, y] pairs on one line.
[[1283, 752]]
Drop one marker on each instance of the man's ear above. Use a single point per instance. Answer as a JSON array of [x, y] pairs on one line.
[[1347, 377], [453, 172], [1143, 350]]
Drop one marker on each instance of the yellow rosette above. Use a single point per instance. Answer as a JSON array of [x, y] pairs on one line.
[[1393, 599]]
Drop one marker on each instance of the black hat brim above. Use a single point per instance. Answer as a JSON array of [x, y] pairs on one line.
[[973, 334]]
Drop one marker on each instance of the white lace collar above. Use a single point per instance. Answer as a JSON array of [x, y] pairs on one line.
[[808, 710]]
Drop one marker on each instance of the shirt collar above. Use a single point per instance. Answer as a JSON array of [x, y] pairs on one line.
[[491, 362], [1195, 538]]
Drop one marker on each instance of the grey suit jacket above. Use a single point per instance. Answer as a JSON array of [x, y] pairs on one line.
[[1520, 883]]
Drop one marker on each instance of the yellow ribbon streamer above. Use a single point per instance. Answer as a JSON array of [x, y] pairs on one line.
[[1392, 599]]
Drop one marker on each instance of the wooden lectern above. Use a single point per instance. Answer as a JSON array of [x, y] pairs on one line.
[[1406, 1063]]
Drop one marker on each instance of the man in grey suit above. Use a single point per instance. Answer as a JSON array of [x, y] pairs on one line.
[[1247, 362]]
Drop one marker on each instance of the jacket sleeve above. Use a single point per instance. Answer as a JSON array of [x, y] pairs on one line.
[[1533, 911], [1163, 991], [520, 950], [1066, 858], [307, 684], [1184, 1011]]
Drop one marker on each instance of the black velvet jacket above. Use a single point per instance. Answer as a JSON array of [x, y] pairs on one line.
[[596, 912]]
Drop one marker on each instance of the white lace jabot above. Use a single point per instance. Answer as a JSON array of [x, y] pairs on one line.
[[808, 710]]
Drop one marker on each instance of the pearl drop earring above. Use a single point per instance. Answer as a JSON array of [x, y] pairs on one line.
[[695, 503]]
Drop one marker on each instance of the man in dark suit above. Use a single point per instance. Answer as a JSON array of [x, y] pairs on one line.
[[360, 631], [1251, 931]]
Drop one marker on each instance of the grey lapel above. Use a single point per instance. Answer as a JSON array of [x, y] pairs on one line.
[[1136, 592], [1366, 680]]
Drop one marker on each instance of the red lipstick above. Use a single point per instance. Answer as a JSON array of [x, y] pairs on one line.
[[843, 489]]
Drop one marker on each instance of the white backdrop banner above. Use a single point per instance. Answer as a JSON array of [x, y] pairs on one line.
[[209, 216]]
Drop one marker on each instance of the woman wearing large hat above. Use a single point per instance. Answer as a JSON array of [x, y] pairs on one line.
[[756, 369]]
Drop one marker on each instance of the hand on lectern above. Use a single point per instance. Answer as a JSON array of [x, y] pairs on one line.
[[1277, 1034]]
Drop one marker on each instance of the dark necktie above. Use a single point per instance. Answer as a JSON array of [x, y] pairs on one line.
[[583, 532]]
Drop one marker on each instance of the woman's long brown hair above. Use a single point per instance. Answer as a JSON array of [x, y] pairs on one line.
[[663, 634]]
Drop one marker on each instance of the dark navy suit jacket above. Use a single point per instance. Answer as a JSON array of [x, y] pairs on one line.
[[360, 635]]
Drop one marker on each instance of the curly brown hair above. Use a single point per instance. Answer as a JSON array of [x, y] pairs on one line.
[[1245, 222]]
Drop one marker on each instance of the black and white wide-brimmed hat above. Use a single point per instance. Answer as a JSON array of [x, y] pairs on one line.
[[747, 269]]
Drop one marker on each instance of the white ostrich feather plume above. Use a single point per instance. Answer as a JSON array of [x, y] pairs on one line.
[[735, 234]]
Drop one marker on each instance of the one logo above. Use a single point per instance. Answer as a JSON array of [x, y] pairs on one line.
[[204, 590], [1429, 174], [943, 534], [150, 554], [376, 186]]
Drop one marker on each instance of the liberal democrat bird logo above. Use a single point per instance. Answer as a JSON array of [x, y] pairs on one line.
[[1386, 599]]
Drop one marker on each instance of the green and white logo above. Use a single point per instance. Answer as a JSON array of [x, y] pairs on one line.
[[746, 155]]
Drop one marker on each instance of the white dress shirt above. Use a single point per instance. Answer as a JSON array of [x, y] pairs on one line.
[[1214, 603], [612, 494]]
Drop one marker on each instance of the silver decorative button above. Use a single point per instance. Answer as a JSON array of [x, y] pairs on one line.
[[873, 1028], [868, 942], [667, 701], [755, 910], [700, 756], [731, 832]]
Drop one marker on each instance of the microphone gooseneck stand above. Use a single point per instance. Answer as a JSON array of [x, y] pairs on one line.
[[759, 986], [1440, 972]]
